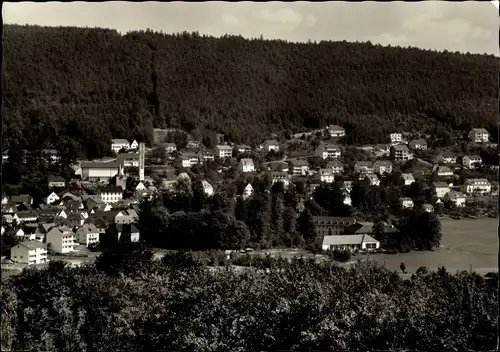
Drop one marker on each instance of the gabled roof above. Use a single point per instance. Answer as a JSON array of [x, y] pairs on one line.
[[102, 165], [480, 130], [271, 142], [223, 147], [299, 162], [20, 198], [55, 178], [88, 228], [32, 245], [418, 141], [120, 141], [406, 199], [246, 161], [382, 163], [402, 147], [473, 157], [336, 128], [334, 220], [334, 163], [440, 184], [110, 189]]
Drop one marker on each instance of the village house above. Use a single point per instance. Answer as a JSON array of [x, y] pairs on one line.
[[223, 151], [29, 252], [101, 171], [326, 175], [42, 230], [372, 179], [130, 159], [364, 167], [444, 171], [447, 158], [401, 152], [20, 199], [247, 191], [110, 194], [56, 181], [350, 242], [170, 147], [125, 232], [336, 166], [428, 208], [396, 138], [189, 159], [271, 144], [50, 156], [87, 234], [406, 202], [326, 151], [408, 178], [25, 216], [382, 167], [418, 144], [51, 198], [194, 145], [207, 188], [74, 220], [243, 148], [299, 167], [134, 145], [477, 185], [441, 189], [207, 156], [336, 131], [280, 176], [472, 161], [119, 144], [247, 165], [458, 198], [330, 225], [126, 216], [479, 135], [61, 240]]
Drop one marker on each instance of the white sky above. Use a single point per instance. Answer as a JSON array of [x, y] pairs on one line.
[[470, 26]]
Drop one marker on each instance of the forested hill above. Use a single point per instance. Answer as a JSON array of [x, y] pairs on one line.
[[76, 88]]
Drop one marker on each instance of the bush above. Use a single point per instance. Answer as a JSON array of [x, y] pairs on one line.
[[341, 255]]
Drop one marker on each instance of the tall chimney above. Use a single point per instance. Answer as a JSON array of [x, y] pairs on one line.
[[141, 161]]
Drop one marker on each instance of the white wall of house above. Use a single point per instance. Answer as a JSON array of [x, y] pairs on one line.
[[22, 254]]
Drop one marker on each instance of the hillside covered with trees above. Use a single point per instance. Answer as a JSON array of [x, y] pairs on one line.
[[75, 88]]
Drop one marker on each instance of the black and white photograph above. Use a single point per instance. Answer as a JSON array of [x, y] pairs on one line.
[[250, 176]]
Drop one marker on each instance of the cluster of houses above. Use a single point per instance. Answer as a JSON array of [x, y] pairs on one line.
[[66, 220]]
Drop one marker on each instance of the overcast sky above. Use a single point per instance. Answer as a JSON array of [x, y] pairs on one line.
[[456, 26]]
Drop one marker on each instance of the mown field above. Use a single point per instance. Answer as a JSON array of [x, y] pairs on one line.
[[466, 244]]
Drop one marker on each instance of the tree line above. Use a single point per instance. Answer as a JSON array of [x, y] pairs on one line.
[[128, 301], [75, 88]]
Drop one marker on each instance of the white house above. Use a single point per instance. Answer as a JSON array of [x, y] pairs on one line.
[[51, 198], [110, 194], [428, 208], [382, 167], [326, 175], [189, 159], [406, 202], [326, 151], [271, 144], [119, 144], [447, 158], [247, 165], [418, 144], [207, 188], [243, 148], [25, 216], [456, 197], [29, 252], [477, 185], [134, 145], [279, 176], [364, 167], [87, 234], [336, 131], [299, 167], [373, 180], [127, 216], [441, 189], [247, 191], [61, 240], [472, 161], [350, 242], [336, 166], [408, 179], [396, 138], [479, 135], [170, 147], [400, 152], [223, 151], [444, 171]]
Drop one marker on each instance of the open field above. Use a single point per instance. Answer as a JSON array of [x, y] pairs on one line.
[[466, 244]]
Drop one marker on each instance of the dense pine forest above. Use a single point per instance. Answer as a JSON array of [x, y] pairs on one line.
[[75, 88]]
